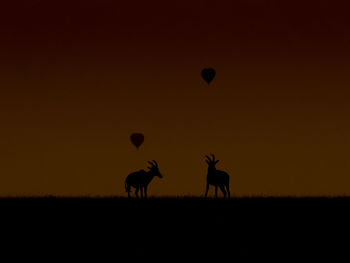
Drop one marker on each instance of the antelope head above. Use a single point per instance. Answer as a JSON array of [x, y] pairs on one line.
[[154, 169], [211, 162]]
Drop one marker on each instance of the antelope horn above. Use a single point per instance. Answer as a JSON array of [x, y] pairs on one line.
[[152, 164], [155, 163], [208, 158], [212, 155]]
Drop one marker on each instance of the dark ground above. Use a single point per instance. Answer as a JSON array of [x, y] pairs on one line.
[[177, 228]]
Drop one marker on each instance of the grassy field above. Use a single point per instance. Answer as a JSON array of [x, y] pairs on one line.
[[179, 226]]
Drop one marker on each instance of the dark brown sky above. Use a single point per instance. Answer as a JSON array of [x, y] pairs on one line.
[[77, 77]]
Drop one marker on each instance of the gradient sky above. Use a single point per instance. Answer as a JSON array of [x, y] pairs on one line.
[[78, 77]]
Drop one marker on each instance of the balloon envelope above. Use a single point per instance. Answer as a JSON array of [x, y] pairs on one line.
[[208, 74], [137, 139]]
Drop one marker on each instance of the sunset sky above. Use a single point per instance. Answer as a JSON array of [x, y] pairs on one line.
[[78, 77]]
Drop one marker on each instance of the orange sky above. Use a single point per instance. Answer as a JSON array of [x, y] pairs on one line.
[[78, 77]]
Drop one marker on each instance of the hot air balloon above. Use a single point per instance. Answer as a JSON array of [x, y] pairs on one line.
[[137, 139], [208, 74]]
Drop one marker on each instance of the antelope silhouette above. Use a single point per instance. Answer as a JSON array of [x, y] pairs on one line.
[[140, 179], [217, 178]]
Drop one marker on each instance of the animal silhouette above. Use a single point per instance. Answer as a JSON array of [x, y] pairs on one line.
[[217, 178], [141, 179]]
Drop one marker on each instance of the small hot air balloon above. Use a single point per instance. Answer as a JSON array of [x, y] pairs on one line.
[[208, 74], [137, 139]]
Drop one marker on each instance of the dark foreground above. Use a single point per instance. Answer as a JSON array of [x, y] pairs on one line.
[[178, 228]]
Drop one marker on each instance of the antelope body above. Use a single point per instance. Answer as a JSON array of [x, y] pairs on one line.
[[141, 179], [217, 178]]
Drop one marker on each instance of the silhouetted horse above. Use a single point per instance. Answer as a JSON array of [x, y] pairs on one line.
[[217, 178], [141, 179]]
